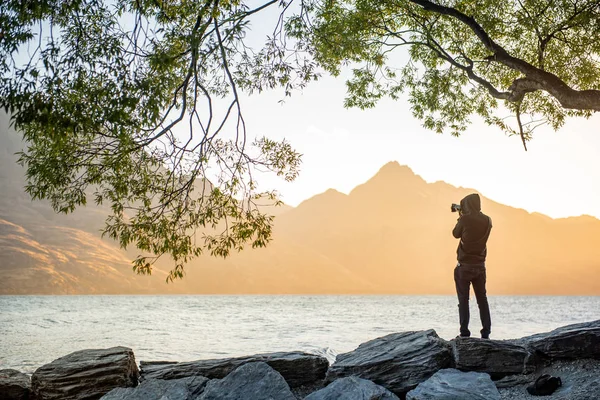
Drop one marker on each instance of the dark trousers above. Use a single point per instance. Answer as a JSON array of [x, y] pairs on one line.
[[464, 276]]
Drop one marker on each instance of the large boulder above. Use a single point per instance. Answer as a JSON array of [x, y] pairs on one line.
[[158, 389], [297, 368], [85, 374], [352, 388], [14, 385], [497, 358], [452, 384], [252, 381], [568, 342], [398, 362]]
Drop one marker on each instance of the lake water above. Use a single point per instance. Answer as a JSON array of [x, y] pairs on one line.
[[35, 330]]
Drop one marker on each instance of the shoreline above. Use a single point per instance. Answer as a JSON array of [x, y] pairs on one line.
[[386, 362], [526, 295], [38, 330]]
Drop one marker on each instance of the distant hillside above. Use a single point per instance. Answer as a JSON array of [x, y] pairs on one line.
[[389, 235], [42, 252], [394, 231], [48, 253]]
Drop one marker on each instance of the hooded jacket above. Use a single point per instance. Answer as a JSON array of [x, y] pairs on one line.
[[473, 229]]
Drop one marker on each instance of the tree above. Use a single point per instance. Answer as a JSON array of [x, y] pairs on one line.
[[537, 58], [137, 102]]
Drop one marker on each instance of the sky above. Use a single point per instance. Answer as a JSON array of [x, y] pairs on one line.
[[558, 176], [342, 148]]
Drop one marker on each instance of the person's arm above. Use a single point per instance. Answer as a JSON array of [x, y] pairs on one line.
[[458, 229]]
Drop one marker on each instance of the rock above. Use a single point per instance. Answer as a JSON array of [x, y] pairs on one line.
[[158, 389], [85, 374], [251, 381], [569, 342], [512, 380], [352, 388], [398, 362], [497, 358], [14, 385], [452, 384], [302, 391], [580, 381], [296, 367]]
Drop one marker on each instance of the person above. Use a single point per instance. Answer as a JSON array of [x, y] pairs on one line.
[[473, 229]]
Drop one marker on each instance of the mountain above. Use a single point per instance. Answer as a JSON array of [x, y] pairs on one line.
[[394, 232], [388, 235], [47, 253], [42, 252]]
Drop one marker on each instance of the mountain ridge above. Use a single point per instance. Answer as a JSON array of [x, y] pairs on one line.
[[389, 235]]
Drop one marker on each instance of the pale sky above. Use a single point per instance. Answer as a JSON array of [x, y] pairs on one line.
[[559, 175]]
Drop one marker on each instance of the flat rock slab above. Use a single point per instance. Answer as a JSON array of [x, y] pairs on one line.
[[580, 381], [352, 388], [252, 381], [452, 384], [497, 358], [85, 374], [569, 342], [14, 385], [512, 380], [297, 368], [158, 389], [398, 362]]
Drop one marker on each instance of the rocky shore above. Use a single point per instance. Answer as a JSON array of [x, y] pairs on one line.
[[408, 365]]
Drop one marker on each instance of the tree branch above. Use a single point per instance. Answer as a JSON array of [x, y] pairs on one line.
[[534, 77], [521, 132]]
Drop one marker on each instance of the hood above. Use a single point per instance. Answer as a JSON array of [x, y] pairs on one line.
[[471, 203]]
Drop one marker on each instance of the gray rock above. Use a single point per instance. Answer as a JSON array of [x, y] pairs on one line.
[[452, 384], [398, 362], [512, 380], [497, 358], [580, 381], [568, 342], [297, 368], [158, 389], [85, 374], [14, 385], [302, 391], [352, 388], [252, 381]]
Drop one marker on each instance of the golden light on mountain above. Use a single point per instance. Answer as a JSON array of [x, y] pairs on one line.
[[391, 234]]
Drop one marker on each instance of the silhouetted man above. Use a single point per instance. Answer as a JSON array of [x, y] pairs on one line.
[[473, 229]]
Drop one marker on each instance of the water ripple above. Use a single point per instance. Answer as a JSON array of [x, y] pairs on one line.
[[37, 329]]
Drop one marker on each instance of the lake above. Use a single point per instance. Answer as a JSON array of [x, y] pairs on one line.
[[35, 330]]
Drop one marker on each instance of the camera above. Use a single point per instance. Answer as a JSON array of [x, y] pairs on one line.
[[455, 207]]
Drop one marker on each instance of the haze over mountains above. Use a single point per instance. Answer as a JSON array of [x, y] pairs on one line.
[[389, 235]]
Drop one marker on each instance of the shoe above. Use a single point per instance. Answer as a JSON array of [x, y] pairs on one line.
[[485, 337]]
